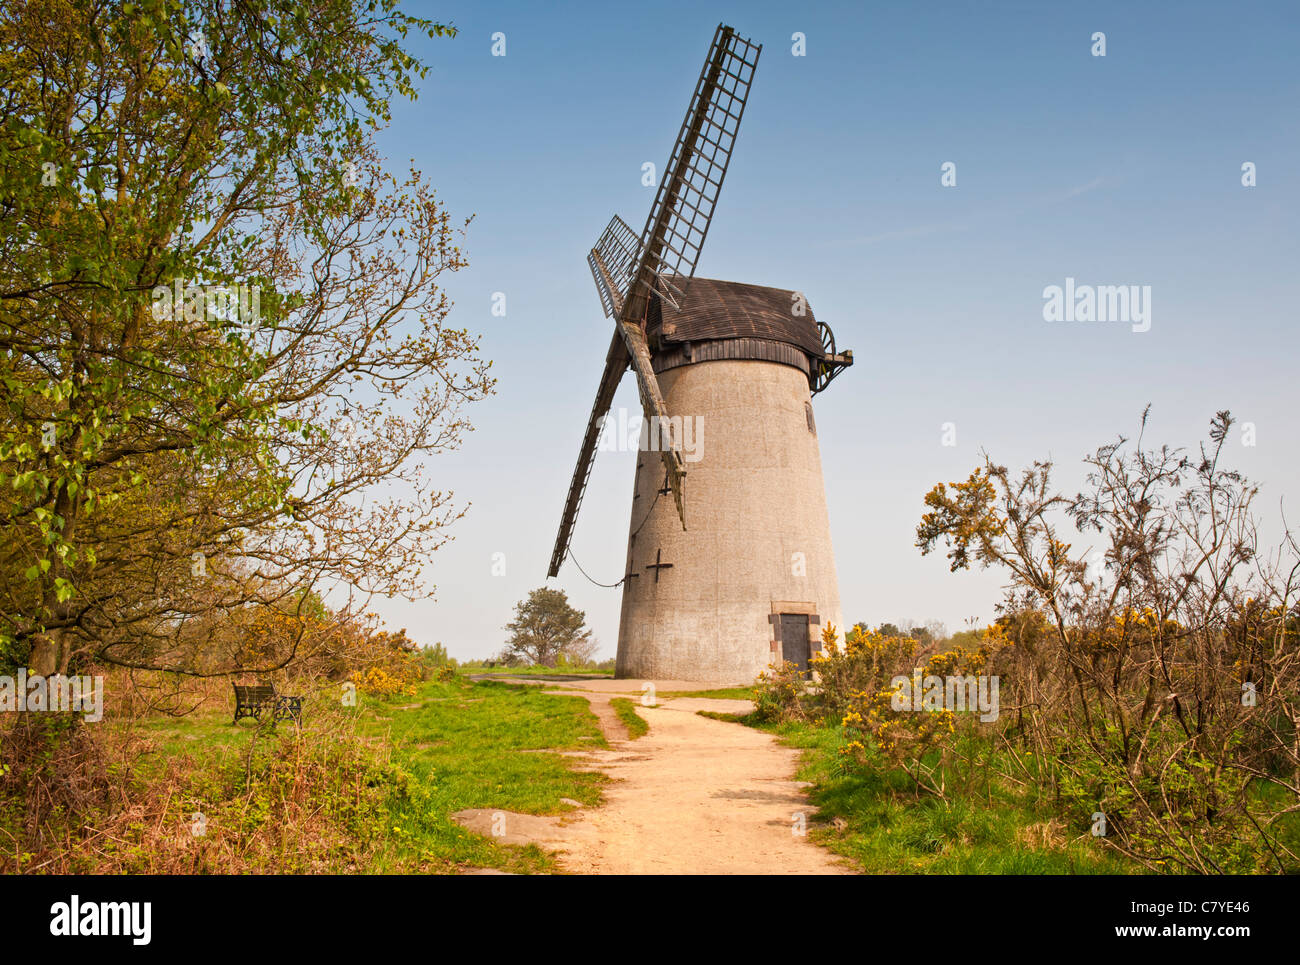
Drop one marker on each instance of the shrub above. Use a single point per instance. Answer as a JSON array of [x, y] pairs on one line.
[[1156, 676], [50, 768], [920, 743], [435, 658], [866, 661], [378, 682], [779, 694]]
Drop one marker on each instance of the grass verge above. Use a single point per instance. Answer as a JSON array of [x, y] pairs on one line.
[[535, 671], [636, 724], [873, 817], [364, 789], [721, 693]]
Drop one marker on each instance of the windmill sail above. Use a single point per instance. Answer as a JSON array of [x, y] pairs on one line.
[[616, 360], [613, 262], [679, 220], [628, 271]]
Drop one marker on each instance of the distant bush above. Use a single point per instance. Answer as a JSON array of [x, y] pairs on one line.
[[435, 657], [378, 682]]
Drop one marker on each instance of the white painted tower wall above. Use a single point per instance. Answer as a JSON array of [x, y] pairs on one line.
[[755, 501]]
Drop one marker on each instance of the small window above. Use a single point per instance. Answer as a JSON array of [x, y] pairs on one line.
[[812, 426]]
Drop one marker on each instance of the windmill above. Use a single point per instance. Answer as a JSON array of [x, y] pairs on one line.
[[732, 360]]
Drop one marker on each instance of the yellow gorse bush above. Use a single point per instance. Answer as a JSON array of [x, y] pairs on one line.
[[378, 682], [876, 733]]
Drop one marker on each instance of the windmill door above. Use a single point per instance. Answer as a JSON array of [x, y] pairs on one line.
[[794, 639]]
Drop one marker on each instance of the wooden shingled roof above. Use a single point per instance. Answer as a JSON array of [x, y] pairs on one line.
[[727, 309]]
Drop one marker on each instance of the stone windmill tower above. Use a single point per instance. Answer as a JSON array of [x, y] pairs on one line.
[[725, 372]]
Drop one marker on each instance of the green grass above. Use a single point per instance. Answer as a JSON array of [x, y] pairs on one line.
[[634, 722], [1287, 826], [721, 693], [888, 829], [455, 745], [535, 671], [729, 718], [476, 745]]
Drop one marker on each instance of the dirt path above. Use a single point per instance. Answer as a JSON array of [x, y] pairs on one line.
[[693, 796]]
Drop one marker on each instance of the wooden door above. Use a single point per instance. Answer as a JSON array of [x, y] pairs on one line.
[[794, 639]]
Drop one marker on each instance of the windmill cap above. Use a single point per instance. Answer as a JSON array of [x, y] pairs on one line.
[[716, 309]]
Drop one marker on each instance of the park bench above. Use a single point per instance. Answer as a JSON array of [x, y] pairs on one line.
[[254, 700]]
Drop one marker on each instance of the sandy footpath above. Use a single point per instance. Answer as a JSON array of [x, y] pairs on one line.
[[693, 796]]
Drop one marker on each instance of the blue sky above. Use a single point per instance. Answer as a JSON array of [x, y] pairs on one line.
[[1115, 170]]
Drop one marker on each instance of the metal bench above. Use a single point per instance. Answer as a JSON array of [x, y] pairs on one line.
[[254, 700]]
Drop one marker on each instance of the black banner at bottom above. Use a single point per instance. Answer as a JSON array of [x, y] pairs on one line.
[[140, 916]]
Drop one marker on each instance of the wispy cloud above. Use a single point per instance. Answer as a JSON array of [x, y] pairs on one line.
[[920, 231], [1081, 189], [990, 214]]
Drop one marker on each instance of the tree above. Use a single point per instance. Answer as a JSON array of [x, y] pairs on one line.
[[165, 462], [1156, 676], [545, 626], [582, 652], [936, 630]]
